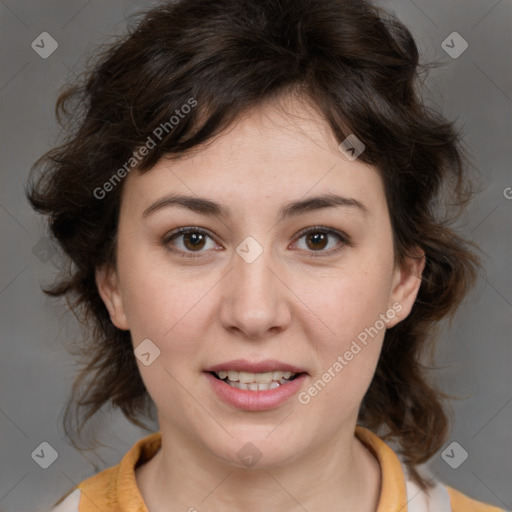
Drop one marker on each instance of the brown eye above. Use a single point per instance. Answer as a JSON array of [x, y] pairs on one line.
[[317, 239], [188, 242], [194, 240]]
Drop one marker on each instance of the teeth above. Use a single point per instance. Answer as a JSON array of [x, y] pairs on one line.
[[254, 386], [254, 378], [255, 381]]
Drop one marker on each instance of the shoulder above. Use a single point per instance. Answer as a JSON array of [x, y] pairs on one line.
[[442, 498], [69, 504], [439, 497], [462, 503], [114, 488], [99, 485]]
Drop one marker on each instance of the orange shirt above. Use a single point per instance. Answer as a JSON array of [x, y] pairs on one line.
[[115, 489]]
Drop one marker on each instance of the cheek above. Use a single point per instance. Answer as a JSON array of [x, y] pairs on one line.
[[170, 307], [352, 345], [347, 300], [346, 358], [352, 313]]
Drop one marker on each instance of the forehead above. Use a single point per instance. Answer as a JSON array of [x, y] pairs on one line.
[[274, 153]]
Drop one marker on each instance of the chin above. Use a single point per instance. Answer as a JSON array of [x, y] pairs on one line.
[[255, 450]]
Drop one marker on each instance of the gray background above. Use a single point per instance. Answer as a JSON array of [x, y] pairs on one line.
[[36, 371]]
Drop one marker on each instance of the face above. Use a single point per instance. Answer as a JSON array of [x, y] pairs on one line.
[[310, 287]]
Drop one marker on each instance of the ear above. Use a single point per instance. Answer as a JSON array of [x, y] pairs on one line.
[[108, 287], [406, 284]]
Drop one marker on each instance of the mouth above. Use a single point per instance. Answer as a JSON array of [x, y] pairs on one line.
[[255, 386], [250, 381]]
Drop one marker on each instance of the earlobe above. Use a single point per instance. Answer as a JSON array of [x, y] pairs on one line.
[[108, 288], [406, 285]]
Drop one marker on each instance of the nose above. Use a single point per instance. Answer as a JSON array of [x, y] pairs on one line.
[[256, 302]]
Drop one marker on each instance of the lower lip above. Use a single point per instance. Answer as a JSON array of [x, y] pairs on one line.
[[255, 400]]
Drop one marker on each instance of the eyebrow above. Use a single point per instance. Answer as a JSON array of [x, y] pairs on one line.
[[206, 206]]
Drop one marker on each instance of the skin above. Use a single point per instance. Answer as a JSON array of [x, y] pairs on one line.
[[287, 305]]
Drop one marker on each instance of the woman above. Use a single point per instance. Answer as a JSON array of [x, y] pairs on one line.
[[250, 197]]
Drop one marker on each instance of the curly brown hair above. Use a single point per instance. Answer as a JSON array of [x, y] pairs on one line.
[[360, 67]]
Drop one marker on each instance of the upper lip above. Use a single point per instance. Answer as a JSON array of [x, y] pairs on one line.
[[242, 365]]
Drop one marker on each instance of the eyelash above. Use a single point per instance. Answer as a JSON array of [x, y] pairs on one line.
[[344, 239]]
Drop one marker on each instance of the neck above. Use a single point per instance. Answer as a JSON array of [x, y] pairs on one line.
[[183, 476]]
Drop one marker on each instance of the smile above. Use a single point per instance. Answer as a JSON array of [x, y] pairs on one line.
[[255, 381], [254, 395]]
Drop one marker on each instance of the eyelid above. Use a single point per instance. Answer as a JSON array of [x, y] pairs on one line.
[[343, 237]]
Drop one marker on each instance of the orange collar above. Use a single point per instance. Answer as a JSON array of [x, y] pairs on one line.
[[116, 488], [393, 490]]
